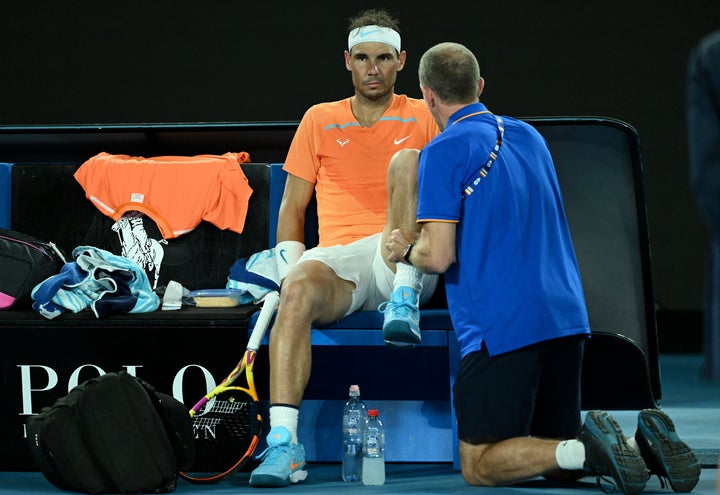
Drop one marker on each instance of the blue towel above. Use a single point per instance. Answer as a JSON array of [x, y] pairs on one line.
[[256, 276], [98, 280]]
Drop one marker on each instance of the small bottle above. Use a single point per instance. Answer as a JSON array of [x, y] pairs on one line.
[[353, 422], [373, 448]]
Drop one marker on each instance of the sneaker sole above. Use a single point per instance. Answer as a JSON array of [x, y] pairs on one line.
[[270, 481], [624, 464], [399, 334], [668, 456]]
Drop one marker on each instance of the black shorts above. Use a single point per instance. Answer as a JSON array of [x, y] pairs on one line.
[[533, 391]]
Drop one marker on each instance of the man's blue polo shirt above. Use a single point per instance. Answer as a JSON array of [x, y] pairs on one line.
[[516, 280]]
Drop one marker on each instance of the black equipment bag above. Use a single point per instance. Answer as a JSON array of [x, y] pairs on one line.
[[113, 434], [24, 262]]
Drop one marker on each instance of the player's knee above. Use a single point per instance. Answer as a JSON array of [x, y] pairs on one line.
[[305, 298], [294, 292], [405, 161], [406, 155]]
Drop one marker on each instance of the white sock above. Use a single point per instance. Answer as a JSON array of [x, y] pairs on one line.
[[570, 454], [286, 416], [408, 276]]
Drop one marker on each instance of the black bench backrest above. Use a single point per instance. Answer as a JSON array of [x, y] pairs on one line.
[[599, 166]]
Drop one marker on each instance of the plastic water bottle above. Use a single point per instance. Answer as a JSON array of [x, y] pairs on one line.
[[373, 448], [353, 422]]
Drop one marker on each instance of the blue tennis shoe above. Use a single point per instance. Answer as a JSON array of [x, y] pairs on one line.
[[401, 325], [282, 461]]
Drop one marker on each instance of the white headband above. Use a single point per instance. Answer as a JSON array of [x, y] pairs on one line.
[[374, 33]]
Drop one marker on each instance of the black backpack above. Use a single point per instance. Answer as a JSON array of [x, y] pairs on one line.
[[113, 434]]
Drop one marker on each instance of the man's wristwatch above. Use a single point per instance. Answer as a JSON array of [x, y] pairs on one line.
[[408, 250]]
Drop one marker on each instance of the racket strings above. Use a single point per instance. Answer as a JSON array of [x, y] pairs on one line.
[[220, 408], [227, 434], [224, 432]]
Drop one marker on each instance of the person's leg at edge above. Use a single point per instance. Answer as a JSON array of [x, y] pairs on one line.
[[401, 323], [501, 444], [504, 442], [511, 461], [311, 293]]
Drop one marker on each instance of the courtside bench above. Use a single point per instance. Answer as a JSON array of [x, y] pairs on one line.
[[600, 171]]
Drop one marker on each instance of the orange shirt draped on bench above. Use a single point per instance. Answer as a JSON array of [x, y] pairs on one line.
[[177, 192]]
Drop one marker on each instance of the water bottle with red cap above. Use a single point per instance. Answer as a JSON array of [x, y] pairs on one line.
[[373, 449]]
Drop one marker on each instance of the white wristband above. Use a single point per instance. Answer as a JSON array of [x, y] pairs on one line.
[[287, 253]]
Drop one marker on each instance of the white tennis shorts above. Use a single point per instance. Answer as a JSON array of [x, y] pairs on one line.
[[361, 263]]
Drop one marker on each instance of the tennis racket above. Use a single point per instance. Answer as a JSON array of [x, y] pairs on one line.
[[227, 422]]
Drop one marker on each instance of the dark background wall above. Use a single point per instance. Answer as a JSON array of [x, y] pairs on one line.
[[152, 61]]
